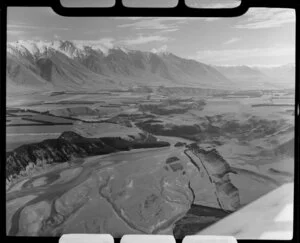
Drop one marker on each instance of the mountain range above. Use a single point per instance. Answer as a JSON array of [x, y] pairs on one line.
[[261, 77], [70, 65]]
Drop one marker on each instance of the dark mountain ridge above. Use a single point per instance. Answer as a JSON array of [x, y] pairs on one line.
[[72, 145], [66, 65]]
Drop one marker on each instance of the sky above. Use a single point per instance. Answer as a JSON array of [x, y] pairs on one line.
[[261, 37]]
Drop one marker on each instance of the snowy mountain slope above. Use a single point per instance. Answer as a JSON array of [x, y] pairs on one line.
[[51, 65], [72, 65], [67, 65]]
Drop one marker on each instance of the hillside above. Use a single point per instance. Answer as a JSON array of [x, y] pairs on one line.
[[259, 77], [66, 65], [69, 145]]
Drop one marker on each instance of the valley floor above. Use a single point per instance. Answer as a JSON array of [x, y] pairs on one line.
[[222, 154]]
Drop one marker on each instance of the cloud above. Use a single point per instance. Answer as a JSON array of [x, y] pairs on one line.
[[225, 55], [232, 40], [38, 38], [103, 44], [106, 42], [260, 18], [23, 26], [162, 23], [15, 32], [167, 30], [109, 42], [144, 39], [160, 49]]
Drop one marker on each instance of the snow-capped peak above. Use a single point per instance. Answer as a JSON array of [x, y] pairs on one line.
[[123, 49], [85, 45], [160, 51], [73, 49], [38, 48], [25, 47]]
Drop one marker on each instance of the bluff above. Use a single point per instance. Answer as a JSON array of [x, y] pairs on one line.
[[69, 145], [218, 170]]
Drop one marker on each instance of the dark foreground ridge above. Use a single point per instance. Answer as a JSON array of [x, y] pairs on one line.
[[69, 145], [196, 219]]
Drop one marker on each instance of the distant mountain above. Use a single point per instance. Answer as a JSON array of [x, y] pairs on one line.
[[247, 76], [283, 75], [66, 65], [260, 77]]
